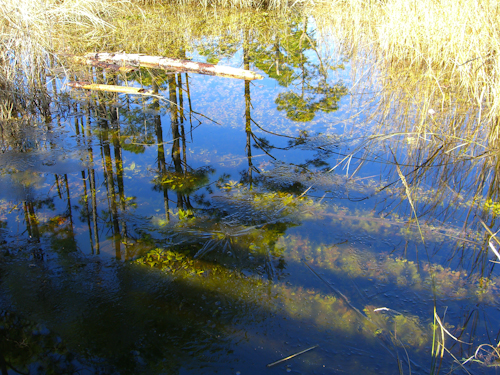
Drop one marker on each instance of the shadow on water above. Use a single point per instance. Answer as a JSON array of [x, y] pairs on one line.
[[220, 225]]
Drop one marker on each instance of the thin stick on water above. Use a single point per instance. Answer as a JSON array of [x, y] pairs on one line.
[[291, 356]]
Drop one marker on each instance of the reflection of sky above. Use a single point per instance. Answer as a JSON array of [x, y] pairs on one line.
[[223, 145], [224, 98]]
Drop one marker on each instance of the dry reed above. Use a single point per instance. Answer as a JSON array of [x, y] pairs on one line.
[[454, 43], [33, 32], [433, 72]]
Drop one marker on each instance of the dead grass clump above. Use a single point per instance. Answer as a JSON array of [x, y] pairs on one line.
[[240, 4]]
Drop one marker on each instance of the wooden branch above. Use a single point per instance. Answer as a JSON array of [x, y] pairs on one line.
[[110, 88], [159, 62]]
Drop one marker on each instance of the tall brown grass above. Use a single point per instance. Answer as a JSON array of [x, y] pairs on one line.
[[426, 80], [454, 43], [433, 70], [34, 33], [240, 4]]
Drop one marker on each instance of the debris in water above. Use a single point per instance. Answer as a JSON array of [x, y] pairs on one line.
[[291, 356]]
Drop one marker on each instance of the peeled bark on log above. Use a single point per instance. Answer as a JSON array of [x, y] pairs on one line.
[[166, 63], [110, 88]]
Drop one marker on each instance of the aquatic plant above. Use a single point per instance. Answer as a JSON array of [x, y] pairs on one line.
[[184, 183], [266, 207], [302, 304], [433, 279]]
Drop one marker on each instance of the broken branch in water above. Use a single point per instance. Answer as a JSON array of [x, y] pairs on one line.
[[111, 88], [291, 356], [126, 90], [159, 62]]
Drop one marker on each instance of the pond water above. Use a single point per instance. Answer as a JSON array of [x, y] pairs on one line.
[[222, 225]]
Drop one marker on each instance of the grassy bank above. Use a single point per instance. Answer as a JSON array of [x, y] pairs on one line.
[[427, 79], [454, 45]]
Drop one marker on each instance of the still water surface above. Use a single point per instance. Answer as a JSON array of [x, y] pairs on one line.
[[222, 225]]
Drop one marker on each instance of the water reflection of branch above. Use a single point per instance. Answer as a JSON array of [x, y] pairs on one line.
[[273, 133], [260, 147]]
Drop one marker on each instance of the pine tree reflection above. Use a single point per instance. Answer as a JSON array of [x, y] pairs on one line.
[[103, 114], [84, 200], [31, 220], [162, 168], [248, 118], [179, 177]]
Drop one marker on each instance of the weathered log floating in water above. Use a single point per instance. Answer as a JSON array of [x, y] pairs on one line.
[[110, 88], [159, 62]]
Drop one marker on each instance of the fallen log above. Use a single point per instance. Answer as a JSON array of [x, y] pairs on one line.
[[110, 88], [166, 63]]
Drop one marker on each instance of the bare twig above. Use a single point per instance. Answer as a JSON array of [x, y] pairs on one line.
[[292, 356]]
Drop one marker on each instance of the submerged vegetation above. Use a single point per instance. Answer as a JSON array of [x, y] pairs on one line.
[[330, 312], [354, 193]]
